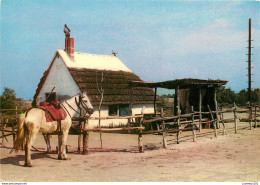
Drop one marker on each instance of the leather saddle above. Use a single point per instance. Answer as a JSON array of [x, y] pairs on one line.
[[53, 111]]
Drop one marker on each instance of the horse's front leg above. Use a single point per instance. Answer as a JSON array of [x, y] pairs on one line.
[[62, 138]]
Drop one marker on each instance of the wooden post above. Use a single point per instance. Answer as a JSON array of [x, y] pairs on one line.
[[130, 113], [214, 122], [3, 133], [193, 125], [16, 112], [235, 116], [85, 138], [250, 117], [155, 108], [255, 118], [164, 131], [200, 104], [178, 111], [154, 102], [216, 106], [80, 136], [140, 136], [222, 121]]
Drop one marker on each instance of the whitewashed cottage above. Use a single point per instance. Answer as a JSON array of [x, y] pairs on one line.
[[74, 72]]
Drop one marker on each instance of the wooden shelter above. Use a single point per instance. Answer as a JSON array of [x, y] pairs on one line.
[[196, 93]]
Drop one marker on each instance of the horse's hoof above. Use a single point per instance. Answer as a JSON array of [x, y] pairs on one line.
[[63, 158], [27, 164]]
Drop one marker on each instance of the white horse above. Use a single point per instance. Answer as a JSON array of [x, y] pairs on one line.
[[34, 121]]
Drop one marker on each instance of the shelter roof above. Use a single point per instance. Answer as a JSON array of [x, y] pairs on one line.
[[182, 83]]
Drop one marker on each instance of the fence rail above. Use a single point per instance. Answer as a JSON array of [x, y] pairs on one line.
[[181, 125]]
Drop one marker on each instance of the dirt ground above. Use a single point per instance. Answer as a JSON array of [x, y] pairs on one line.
[[230, 157]]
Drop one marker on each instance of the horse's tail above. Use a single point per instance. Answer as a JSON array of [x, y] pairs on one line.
[[20, 139]]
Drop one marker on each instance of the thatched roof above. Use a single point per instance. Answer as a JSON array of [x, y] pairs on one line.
[[182, 83], [115, 84]]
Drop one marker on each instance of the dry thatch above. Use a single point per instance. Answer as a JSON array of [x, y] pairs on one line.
[[115, 84]]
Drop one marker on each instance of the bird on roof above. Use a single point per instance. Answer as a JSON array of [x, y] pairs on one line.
[[66, 31]]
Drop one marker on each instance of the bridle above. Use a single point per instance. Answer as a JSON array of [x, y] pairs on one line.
[[80, 102]]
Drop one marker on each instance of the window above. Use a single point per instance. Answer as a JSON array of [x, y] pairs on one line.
[[51, 96], [118, 110], [123, 110], [112, 110]]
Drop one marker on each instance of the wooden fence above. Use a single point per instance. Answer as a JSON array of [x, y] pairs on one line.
[[165, 125]]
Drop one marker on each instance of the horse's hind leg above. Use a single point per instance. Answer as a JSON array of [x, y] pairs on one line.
[[30, 137]]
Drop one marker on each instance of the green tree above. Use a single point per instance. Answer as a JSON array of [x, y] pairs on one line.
[[8, 99], [226, 96], [242, 97], [255, 96]]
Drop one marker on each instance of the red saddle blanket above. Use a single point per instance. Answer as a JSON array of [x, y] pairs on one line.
[[53, 111]]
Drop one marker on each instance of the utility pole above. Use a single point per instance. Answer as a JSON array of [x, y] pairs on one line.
[[249, 62], [249, 73]]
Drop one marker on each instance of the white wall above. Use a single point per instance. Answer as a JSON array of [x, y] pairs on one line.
[[137, 109], [60, 77]]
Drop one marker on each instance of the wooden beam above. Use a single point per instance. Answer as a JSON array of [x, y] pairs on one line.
[[164, 132], [216, 106], [154, 101], [85, 139], [235, 117], [178, 111], [115, 117], [112, 129], [193, 126], [200, 106], [140, 136], [214, 123]]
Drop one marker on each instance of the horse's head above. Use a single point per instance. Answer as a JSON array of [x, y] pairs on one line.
[[85, 103]]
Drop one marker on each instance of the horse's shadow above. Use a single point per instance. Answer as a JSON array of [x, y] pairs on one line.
[[15, 160]]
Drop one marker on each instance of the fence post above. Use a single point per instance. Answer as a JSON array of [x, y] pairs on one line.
[[164, 131], [255, 118], [222, 121], [200, 104], [178, 111], [250, 117], [140, 136], [214, 122], [235, 116], [216, 106], [193, 125], [85, 138]]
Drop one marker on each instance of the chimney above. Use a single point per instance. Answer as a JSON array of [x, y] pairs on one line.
[[69, 47]]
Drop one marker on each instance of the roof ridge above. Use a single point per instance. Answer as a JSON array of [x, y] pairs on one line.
[[83, 53]]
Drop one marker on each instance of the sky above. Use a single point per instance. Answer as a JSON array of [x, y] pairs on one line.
[[157, 40]]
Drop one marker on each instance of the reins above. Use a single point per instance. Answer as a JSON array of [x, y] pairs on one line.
[[77, 103], [66, 110]]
